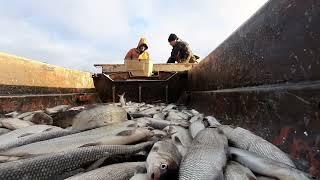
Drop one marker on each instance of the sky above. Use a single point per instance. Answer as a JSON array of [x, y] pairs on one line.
[[79, 33]]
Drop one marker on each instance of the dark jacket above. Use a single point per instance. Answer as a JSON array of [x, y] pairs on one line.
[[181, 53]]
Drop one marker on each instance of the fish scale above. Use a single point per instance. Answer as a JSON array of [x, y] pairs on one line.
[[235, 171], [121, 171], [54, 164], [14, 135], [206, 156], [70, 141], [244, 139]]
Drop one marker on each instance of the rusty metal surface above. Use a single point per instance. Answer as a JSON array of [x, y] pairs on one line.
[[149, 91], [279, 43], [287, 115], [25, 103]]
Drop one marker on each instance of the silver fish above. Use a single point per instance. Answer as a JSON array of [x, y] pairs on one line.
[[158, 134], [159, 124], [180, 137], [196, 118], [127, 136], [13, 114], [151, 111], [244, 139], [26, 114], [98, 116], [23, 132], [205, 157], [31, 138], [265, 166], [122, 100], [196, 127], [121, 171], [41, 118], [235, 171], [57, 109], [212, 121], [170, 107], [177, 115], [50, 166], [163, 161], [4, 131], [14, 123], [160, 116]]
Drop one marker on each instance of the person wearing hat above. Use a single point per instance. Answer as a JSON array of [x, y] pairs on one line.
[[140, 52], [181, 51]]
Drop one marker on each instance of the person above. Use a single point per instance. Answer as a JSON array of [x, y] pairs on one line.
[[140, 52], [181, 51]]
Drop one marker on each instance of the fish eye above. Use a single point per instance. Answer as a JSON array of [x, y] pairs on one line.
[[163, 166]]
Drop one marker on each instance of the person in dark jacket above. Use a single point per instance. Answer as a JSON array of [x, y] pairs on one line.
[[181, 51]]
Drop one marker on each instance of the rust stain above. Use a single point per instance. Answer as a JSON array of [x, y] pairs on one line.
[[301, 149], [283, 136]]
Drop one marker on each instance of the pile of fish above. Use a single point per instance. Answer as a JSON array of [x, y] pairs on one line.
[[136, 141]]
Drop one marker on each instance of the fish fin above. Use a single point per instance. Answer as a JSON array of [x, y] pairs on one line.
[[125, 133], [96, 164], [24, 135], [91, 144]]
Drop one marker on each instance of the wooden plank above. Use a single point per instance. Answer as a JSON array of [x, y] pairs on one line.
[[111, 68]]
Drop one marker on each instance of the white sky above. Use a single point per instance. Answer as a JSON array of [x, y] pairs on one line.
[[80, 33]]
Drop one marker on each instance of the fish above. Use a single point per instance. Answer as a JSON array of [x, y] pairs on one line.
[[139, 115], [12, 114], [159, 134], [121, 171], [139, 176], [161, 116], [14, 123], [158, 124], [196, 127], [163, 161], [170, 107], [265, 178], [177, 115], [122, 100], [41, 118], [98, 116], [206, 156], [194, 112], [50, 166], [265, 166], [131, 109], [236, 171], [151, 111], [31, 138], [23, 132], [212, 121], [128, 135], [56, 109], [27, 115], [244, 139], [196, 118], [180, 137], [4, 131]]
